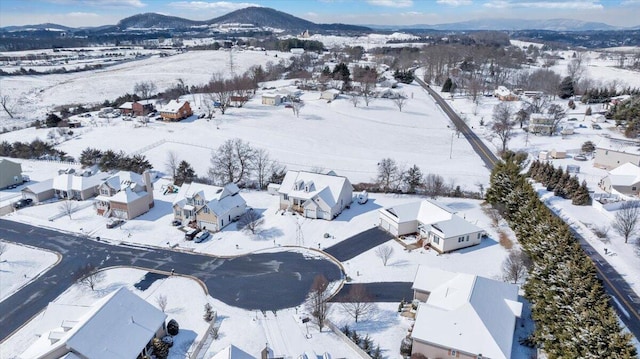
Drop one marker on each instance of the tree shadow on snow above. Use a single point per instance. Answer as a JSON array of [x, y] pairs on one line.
[[269, 233]]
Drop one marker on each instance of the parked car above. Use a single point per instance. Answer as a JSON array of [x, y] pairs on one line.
[[22, 203], [114, 222], [176, 222], [595, 126], [191, 234], [580, 157], [201, 236]]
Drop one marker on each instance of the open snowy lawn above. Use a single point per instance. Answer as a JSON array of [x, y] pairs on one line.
[[19, 264]]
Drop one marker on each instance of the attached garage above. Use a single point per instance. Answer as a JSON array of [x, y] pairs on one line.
[[209, 226], [388, 226]]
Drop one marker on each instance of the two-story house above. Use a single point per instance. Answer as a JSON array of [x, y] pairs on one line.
[[208, 207], [125, 195], [315, 195]]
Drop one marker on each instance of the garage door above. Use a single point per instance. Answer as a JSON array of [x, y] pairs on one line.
[[310, 213], [210, 226], [384, 224]]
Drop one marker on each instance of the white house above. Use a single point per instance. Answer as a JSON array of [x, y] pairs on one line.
[[271, 99], [208, 207], [437, 224], [623, 180], [120, 325], [315, 195], [330, 94], [76, 186], [233, 352], [463, 315]]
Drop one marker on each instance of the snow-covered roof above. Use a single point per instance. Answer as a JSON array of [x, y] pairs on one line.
[[173, 106], [126, 106], [116, 326], [125, 179], [455, 226], [425, 212], [332, 91], [68, 181], [466, 312], [271, 95], [502, 91], [306, 185], [233, 352], [39, 187], [127, 196], [625, 175], [219, 199]]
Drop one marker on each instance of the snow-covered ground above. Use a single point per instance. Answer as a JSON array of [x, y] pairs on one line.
[[20, 264]]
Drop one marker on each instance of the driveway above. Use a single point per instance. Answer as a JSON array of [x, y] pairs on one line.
[[389, 292], [358, 244]]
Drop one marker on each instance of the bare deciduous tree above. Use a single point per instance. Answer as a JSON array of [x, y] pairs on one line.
[[231, 162], [90, 276], [261, 164], [144, 89], [557, 113], [251, 221], [67, 207], [354, 99], [317, 301], [384, 253], [358, 303], [161, 301], [7, 105], [387, 173], [575, 68], [172, 163], [625, 222], [434, 185], [400, 101], [502, 125], [515, 266], [221, 91], [207, 100]]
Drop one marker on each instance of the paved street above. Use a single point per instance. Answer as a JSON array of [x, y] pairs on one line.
[[267, 281], [381, 291]]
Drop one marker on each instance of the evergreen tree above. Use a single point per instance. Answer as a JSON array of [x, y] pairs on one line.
[[413, 179], [566, 88], [588, 111], [447, 85], [184, 173], [581, 197], [52, 120], [571, 187], [554, 179], [90, 156]]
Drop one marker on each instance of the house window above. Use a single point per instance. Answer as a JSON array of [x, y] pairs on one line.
[[206, 209], [478, 235], [436, 239], [453, 353], [633, 188], [467, 238], [285, 197]]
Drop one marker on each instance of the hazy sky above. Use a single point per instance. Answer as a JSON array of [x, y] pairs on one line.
[[378, 12]]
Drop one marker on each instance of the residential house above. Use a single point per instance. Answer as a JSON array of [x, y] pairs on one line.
[[175, 110], [608, 159], [125, 195], [504, 94], [271, 99], [622, 180], [120, 325], [208, 207], [315, 195], [463, 315], [233, 352], [330, 94], [540, 123], [70, 185], [142, 108], [126, 108], [437, 225], [10, 173], [40, 191]]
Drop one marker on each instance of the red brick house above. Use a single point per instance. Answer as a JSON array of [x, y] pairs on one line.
[[175, 110]]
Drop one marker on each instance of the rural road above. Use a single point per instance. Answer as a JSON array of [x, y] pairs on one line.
[[625, 301], [265, 281]]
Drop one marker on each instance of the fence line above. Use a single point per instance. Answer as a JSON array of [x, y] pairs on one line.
[[206, 340], [74, 210], [148, 147], [347, 340], [56, 161]]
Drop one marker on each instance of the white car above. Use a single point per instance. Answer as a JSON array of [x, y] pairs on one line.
[[201, 236]]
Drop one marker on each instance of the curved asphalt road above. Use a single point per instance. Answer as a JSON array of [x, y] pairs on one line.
[[265, 281], [625, 301]]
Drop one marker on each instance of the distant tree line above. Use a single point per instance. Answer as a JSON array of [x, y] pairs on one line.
[[33, 150], [572, 312], [110, 160], [58, 70]]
